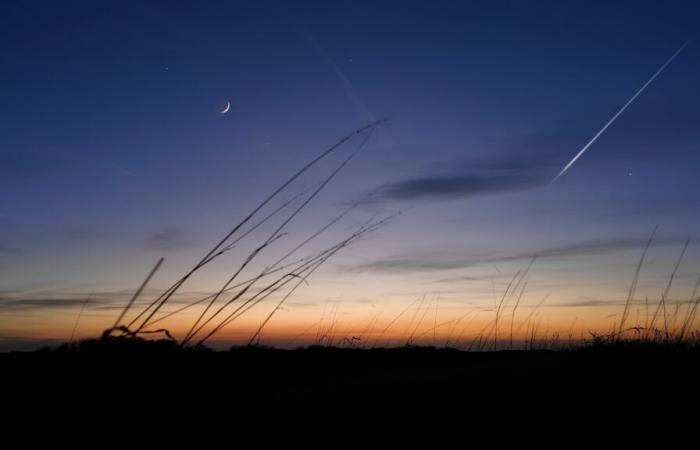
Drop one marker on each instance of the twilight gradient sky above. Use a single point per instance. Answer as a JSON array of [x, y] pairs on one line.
[[113, 153]]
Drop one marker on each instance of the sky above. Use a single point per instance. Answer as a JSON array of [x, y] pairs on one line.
[[114, 153]]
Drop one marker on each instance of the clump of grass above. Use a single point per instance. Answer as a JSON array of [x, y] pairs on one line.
[[216, 315], [120, 344]]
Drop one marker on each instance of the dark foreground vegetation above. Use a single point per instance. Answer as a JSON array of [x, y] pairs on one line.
[[131, 393]]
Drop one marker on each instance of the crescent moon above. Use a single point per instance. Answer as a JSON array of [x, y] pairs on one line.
[[225, 110]]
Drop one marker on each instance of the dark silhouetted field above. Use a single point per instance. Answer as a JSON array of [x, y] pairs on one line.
[[610, 396]]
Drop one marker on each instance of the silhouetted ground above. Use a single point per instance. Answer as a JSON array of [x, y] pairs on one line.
[[323, 398]]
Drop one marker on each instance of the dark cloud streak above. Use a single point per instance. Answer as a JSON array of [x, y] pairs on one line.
[[168, 240], [478, 176], [9, 249], [444, 261], [31, 304]]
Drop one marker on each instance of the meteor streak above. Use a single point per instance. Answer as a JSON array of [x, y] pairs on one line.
[[617, 114]]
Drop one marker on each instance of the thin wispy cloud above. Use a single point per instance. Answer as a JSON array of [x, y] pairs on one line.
[[653, 208], [82, 233], [23, 164], [4, 248], [53, 298], [449, 261], [168, 240], [589, 302], [32, 304]]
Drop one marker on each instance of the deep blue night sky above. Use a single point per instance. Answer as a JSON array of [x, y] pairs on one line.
[[113, 151]]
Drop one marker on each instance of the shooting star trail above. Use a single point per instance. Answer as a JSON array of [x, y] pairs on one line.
[[349, 89], [617, 114]]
